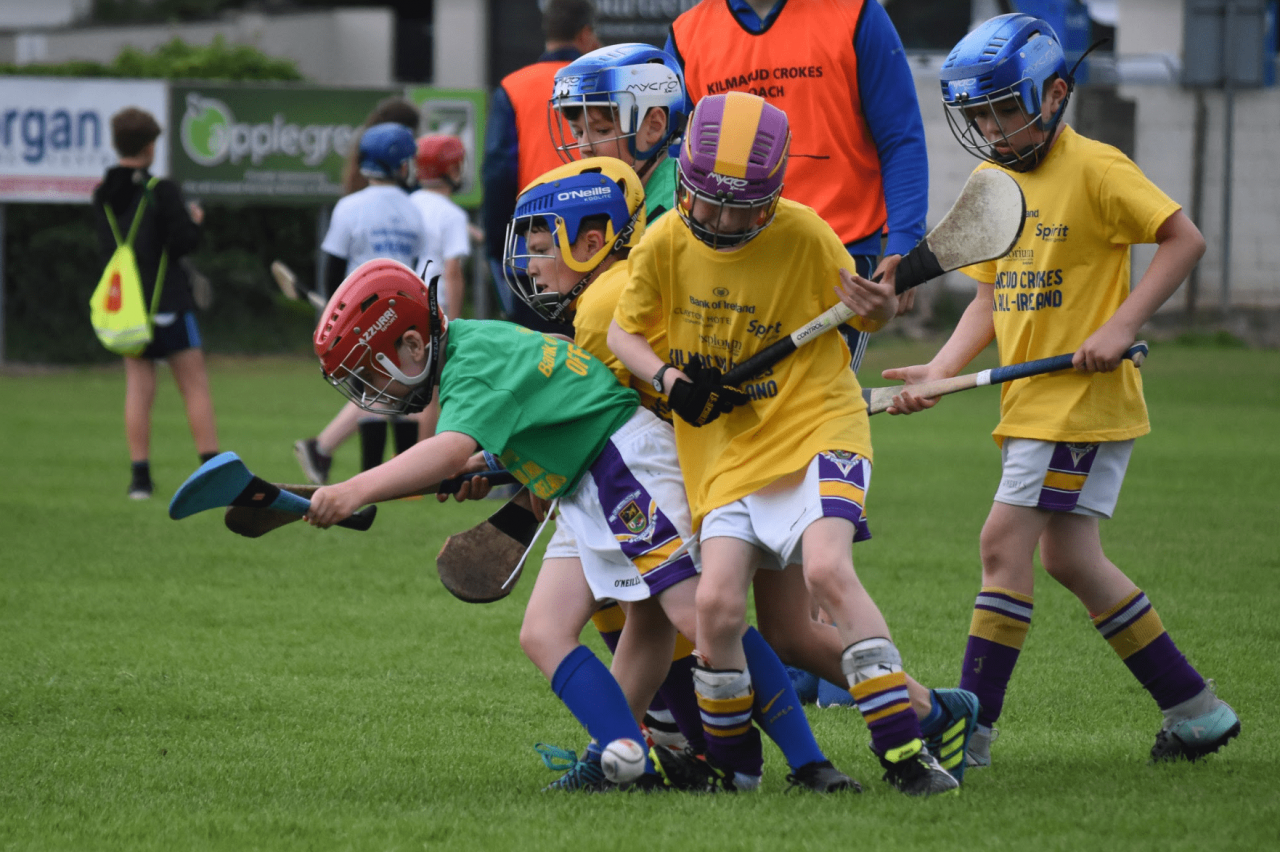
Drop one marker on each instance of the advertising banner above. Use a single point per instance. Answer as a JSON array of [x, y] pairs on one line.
[[461, 113], [265, 144], [55, 134]]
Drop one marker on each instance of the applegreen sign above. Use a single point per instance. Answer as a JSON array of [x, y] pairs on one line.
[[272, 144]]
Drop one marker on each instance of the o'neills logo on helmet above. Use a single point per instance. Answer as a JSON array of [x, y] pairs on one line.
[[582, 194], [383, 322], [725, 180]]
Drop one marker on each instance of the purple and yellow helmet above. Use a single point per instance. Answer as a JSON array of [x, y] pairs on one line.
[[733, 159]]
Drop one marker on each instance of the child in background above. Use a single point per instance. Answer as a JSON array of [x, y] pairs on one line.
[[1065, 438], [439, 163]]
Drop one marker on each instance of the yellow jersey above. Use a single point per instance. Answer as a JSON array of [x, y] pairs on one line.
[[593, 311], [727, 306], [1087, 203]]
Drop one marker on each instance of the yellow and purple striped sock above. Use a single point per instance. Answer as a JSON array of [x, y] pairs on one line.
[[1135, 632], [1001, 619]]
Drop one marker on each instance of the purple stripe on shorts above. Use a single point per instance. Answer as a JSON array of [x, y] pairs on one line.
[[668, 574], [632, 513], [1067, 458], [841, 466]]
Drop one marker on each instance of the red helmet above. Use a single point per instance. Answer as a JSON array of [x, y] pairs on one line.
[[360, 331], [437, 155]]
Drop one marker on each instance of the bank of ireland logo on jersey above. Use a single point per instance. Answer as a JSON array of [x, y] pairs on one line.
[[206, 130]]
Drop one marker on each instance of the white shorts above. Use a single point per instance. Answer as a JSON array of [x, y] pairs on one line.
[[1082, 479], [561, 544], [629, 515], [774, 518]]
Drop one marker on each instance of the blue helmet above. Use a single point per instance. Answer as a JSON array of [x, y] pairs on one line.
[[560, 202], [1009, 56], [384, 149], [630, 78]]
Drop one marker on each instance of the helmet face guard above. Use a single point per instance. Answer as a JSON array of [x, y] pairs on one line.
[[626, 80], [360, 333], [731, 168], [1006, 61], [560, 202]]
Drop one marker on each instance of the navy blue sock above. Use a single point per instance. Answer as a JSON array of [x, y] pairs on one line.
[[583, 683], [777, 709], [681, 701]]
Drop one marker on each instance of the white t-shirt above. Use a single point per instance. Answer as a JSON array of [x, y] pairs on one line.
[[377, 221], [446, 225]]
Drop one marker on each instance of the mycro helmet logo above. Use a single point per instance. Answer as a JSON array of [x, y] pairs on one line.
[[206, 130], [731, 182]]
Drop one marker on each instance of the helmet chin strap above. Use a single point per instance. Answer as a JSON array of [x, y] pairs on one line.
[[562, 303], [394, 372], [557, 313]]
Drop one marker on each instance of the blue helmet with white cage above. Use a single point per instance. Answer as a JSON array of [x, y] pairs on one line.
[[629, 78], [1009, 56]]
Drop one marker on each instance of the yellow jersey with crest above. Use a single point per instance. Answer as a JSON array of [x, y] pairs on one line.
[[592, 314], [1087, 203], [730, 305]]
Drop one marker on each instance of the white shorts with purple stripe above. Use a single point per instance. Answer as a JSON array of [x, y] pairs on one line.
[[628, 520], [774, 519], [1082, 479]]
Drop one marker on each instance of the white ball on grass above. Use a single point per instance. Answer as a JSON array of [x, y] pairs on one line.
[[623, 761]]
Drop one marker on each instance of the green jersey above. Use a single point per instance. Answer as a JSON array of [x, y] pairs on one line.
[[540, 404], [660, 190]]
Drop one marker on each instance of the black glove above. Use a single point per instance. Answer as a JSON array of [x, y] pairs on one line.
[[704, 397]]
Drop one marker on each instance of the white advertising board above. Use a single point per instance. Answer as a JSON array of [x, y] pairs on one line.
[[55, 134]]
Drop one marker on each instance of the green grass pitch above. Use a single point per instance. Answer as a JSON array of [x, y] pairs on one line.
[[168, 685]]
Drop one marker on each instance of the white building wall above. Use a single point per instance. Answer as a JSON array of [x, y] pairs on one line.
[[461, 44], [345, 46]]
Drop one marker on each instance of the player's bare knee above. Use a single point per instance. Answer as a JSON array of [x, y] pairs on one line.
[[538, 642], [1000, 565], [831, 582], [720, 612], [1063, 567]]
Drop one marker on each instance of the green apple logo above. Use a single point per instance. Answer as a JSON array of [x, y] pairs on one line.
[[206, 130]]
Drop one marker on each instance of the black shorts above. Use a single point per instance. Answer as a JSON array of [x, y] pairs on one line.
[[178, 334]]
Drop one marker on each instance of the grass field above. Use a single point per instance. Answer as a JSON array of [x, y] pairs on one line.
[[168, 685]]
